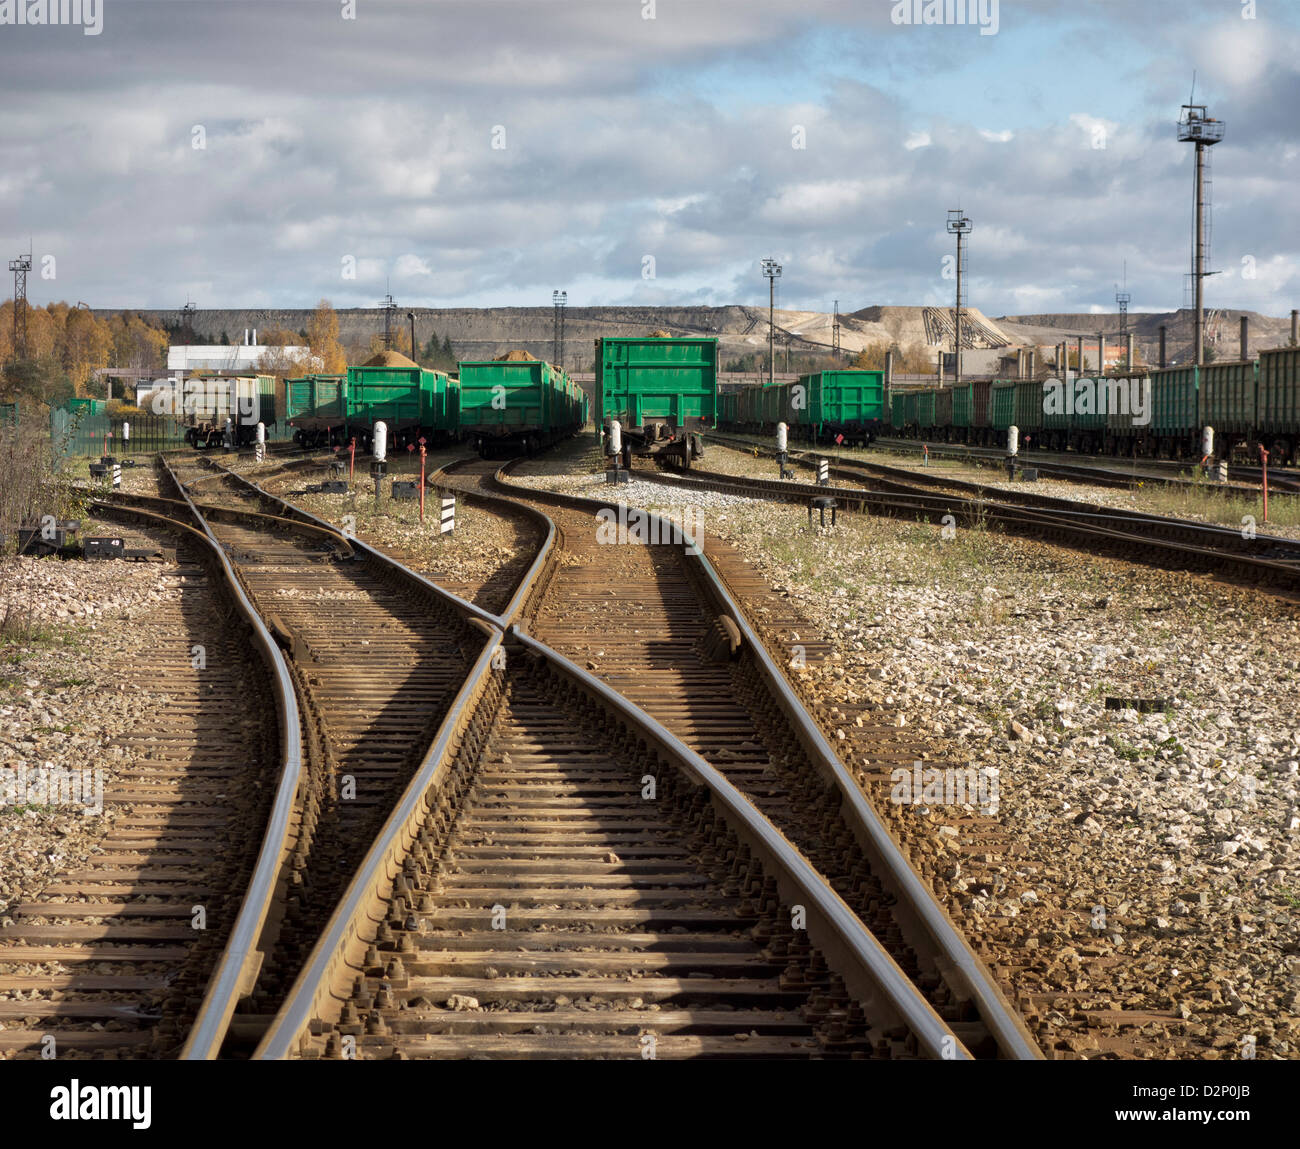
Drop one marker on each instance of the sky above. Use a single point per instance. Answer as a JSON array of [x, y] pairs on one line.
[[646, 152]]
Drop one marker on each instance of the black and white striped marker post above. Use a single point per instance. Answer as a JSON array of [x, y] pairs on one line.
[[823, 472], [447, 523]]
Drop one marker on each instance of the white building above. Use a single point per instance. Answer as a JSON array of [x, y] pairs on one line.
[[184, 360]]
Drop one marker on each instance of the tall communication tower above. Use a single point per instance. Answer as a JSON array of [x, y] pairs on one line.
[[1195, 126], [771, 272], [835, 331], [559, 300], [20, 267], [959, 226], [390, 325]]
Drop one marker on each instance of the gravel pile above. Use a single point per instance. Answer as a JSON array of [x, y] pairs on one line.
[[1137, 862], [70, 624]]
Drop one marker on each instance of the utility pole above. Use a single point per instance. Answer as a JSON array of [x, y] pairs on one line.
[[959, 226], [835, 331], [1196, 127], [771, 272], [410, 315]]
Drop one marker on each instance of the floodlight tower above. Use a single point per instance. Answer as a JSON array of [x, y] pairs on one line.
[[187, 321], [559, 300], [958, 225], [835, 331], [20, 267], [771, 272], [390, 315], [1195, 126]]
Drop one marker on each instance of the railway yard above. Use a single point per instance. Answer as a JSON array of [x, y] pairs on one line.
[[1019, 782]]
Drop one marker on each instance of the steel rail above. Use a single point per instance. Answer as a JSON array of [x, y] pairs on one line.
[[378, 556], [839, 931], [1007, 1028], [529, 578], [241, 959], [373, 880], [1042, 518]]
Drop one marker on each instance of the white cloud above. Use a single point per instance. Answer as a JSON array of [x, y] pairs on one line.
[[917, 140]]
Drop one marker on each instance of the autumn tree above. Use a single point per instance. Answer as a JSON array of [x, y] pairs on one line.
[[323, 339]]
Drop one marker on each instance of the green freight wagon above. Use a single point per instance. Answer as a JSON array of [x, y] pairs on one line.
[[1002, 403], [924, 408], [837, 406], [943, 399], [519, 404], [1128, 423], [412, 401], [898, 412], [1227, 398], [1175, 426], [970, 411], [1278, 405], [657, 380], [728, 406]]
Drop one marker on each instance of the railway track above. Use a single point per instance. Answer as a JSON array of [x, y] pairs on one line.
[[134, 952], [565, 880], [658, 625], [1271, 560], [1104, 472], [376, 656], [526, 797]]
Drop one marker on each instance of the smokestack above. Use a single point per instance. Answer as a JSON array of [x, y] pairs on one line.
[[1128, 350], [254, 343], [1080, 354], [1163, 362], [245, 336], [1020, 362], [940, 365], [1101, 353], [1030, 358], [1295, 327], [889, 369], [1245, 339]]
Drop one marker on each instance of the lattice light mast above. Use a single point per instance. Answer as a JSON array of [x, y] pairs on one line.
[[1195, 126], [559, 300], [835, 331], [771, 272], [958, 225], [20, 267], [390, 316]]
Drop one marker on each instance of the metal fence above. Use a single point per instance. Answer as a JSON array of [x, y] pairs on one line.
[[80, 434]]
